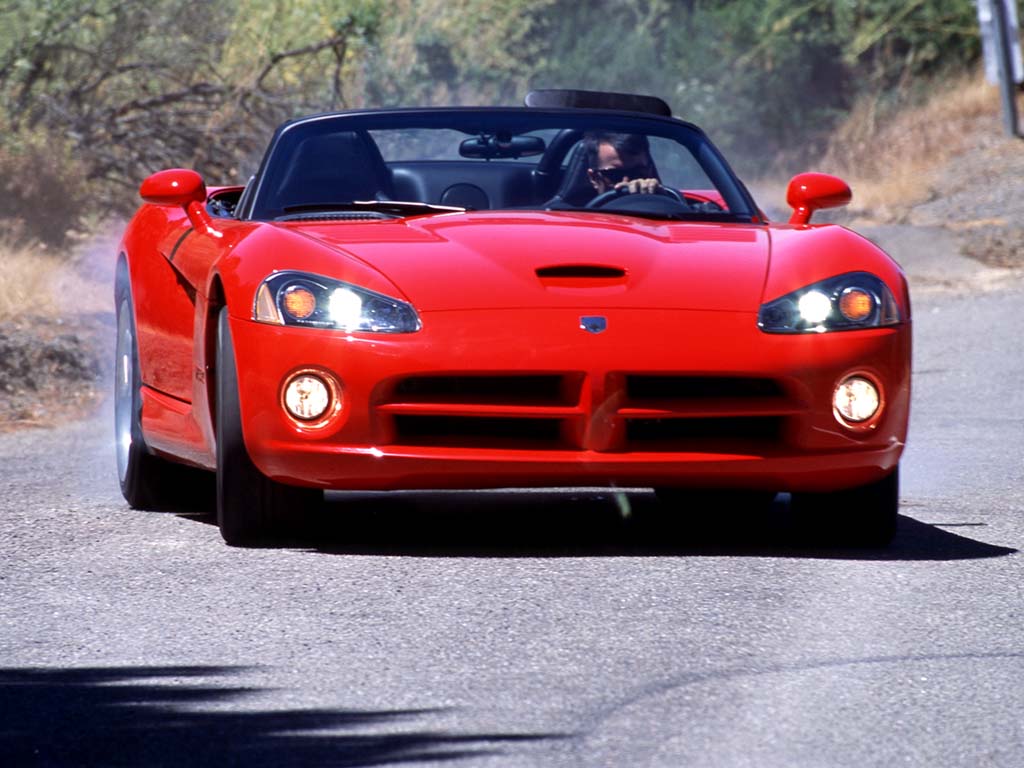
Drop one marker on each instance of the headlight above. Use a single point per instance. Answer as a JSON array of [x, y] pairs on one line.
[[846, 302], [297, 298]]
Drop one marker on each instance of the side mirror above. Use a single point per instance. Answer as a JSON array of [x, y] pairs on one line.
[[809, 192], [177, 186]]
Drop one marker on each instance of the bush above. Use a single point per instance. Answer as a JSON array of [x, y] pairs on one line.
[[43, 188], [99, 93]]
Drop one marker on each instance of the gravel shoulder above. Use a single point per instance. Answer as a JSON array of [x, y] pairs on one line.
[[970, 234], [56, 366], [52, 371]]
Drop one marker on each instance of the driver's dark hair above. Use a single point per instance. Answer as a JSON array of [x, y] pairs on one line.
[[624, 144]]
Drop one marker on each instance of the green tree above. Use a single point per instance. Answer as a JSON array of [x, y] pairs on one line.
[[107, 91]]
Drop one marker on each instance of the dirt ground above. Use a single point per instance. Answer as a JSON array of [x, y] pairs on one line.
[[56, 362], [52, 372], [979, 196]]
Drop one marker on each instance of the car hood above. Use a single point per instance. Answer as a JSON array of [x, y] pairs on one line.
[[573, 260]]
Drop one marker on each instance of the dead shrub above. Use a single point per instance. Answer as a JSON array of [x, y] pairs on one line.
[[42, 187], [890, 151], [48, 282]]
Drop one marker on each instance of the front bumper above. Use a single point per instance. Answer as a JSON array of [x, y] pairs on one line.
[[500, 398]]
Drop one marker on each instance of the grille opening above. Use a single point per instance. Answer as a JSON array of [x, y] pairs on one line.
[[691, 387], [477, 432], [707, 431], [486, 390]]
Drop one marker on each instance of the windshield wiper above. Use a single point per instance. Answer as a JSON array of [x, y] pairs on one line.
[[396, 208]]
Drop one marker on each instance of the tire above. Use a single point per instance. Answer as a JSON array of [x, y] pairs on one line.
[[251, 508], [864, 516], [147, 481]]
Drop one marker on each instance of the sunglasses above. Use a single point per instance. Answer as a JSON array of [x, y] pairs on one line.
[[615, 175]]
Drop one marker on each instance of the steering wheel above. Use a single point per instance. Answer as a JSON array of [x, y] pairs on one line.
[[614, 194]]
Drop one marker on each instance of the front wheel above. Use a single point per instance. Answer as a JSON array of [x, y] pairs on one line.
[[147, 481], [250, 506], [862, 516]]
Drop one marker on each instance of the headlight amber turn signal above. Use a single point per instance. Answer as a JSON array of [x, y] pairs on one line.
[[843, 303], [299, 298]]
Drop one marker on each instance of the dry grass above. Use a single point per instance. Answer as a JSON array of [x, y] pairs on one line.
[[55, 315], [40, 283], [891, 156]]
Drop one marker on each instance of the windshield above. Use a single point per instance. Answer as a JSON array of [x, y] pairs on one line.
[[403, 163]]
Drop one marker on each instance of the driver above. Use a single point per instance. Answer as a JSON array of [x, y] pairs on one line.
[[620, 161]]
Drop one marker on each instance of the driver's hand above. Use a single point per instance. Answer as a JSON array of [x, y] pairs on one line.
[[638, 186]]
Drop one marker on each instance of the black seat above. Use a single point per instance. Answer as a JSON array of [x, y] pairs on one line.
[[334, 168], [468, 196], [575, 190]]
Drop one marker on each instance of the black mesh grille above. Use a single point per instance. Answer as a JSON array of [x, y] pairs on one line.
[[703, 430], [475, 432], [694, 387], [538, 411], [483, 389]]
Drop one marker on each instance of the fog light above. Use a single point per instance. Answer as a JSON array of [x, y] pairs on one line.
[[307, 397], [856, 399]]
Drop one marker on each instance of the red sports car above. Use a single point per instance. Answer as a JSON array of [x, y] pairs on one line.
[[577, 292]]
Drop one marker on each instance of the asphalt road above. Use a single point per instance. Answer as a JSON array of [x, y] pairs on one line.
[[537, 629]]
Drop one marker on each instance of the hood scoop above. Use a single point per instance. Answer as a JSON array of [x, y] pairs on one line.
[[581, 271], [582, 276]]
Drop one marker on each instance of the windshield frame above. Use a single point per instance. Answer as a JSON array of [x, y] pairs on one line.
[[472, 120]]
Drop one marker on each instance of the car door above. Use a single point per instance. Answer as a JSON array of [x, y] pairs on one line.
[[169, 300]]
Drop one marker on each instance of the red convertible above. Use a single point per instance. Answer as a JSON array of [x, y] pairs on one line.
[[577, 292]]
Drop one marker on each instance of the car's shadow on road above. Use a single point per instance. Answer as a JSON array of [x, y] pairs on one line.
[[590, 523]]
